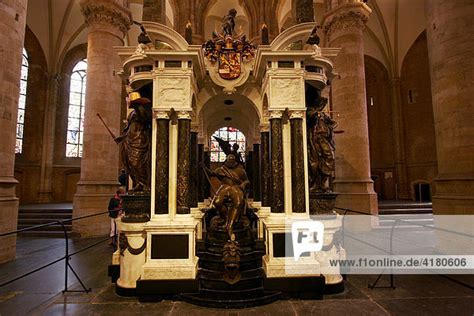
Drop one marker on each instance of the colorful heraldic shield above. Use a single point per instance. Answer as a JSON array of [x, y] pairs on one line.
[[229, 64], [229, 52]]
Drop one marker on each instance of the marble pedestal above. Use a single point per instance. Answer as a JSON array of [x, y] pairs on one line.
[[171, 249], [131, 253]]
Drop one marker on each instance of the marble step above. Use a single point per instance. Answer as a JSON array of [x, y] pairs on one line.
[[199, 299], [217, 275], [237, 294], [242, 284]]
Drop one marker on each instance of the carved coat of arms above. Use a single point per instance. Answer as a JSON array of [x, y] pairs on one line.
[[228, 50]]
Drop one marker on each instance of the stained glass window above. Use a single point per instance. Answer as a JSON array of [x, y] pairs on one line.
[[230, 134], [20, 123], [75, 123]]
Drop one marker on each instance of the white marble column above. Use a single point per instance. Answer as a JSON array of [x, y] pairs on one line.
[[344, 26], [450, 37], [107, 23], [12, 33]]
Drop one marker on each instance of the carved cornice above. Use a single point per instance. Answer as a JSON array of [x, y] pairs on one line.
[[350, 19], [106, 12]]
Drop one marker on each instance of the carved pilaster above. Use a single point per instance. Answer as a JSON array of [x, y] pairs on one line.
[[162, 163], [297, 162], [183, 175], [276, 160], [106, 15]]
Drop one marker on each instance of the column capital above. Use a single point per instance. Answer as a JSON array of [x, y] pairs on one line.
[[275, 114], [105, 12], [296, 114], [194, 128], [264, 128], [184, 115], [161, 115], [346, 18]]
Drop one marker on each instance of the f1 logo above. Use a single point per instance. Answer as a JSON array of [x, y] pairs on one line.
[[307, 236]]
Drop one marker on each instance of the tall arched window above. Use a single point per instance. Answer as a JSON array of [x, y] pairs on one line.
[[230, 134], [75, 122], [20, 123]]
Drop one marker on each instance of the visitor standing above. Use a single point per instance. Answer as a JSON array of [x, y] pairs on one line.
[[115, 211]]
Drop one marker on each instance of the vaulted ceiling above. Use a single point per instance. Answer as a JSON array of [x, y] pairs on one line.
[[391, 30]]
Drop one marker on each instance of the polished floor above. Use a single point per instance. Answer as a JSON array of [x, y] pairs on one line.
[[41, 292]]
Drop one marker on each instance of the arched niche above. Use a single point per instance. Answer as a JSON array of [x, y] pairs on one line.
[[216, 112]]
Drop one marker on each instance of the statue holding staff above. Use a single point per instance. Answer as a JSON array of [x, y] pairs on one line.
[[135, 142]]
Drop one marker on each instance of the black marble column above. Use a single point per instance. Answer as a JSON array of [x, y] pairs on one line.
[[297, 163], [249, 171], [193, 189], [266, 168], [162, 165], [200, 173], [183, 174], [256, 173], [276, 161], [207, 185]]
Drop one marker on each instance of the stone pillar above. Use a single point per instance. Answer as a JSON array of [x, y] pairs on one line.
[[162, 163], [107, 24], [183, 175], [344, 27], [276, 161], [297, 162], [13, 14], [256, 173], [450, 46], [201, 177], [398, 141], [154, 11], [266, 167], [193, 189]]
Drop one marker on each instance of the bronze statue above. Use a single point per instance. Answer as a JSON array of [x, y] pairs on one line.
[[228, 23], [230, 198], [320, 147], [135, 142]]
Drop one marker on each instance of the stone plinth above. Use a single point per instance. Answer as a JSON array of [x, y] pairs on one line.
[[136, 207], [322, 203]]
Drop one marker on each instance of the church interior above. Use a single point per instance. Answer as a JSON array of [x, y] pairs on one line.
[[391, 76]]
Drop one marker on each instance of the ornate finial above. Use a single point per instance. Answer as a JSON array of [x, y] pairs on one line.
[[265, 39], [188, 35]]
